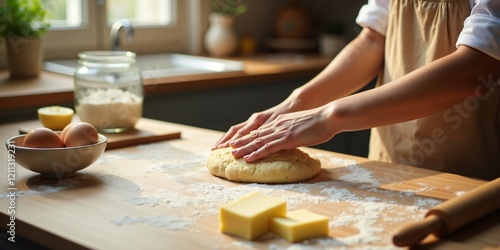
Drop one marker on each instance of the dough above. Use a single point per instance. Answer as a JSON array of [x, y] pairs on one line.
[[286, 166]]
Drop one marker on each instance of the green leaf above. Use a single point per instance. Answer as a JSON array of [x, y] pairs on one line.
[[26, 18], [229, 7]]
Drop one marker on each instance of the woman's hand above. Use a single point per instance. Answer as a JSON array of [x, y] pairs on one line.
[[256, 120], [287, 131], [253, 123]]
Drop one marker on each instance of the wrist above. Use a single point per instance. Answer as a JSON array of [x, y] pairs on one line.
[[333, 118], [300, 100]]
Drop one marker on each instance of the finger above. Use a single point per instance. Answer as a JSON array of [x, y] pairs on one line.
[[241, 131], [255, 136], [244, 140], [253, 142], [265, 150], [223, 141], [248, 148], [250, 126]]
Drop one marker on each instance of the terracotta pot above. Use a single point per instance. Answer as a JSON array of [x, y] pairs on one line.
[[24, 56]]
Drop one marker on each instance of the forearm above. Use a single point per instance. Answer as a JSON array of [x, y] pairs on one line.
[[432, 88], [358, 63]]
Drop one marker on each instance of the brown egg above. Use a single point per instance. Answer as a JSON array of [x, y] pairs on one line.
[[42, 138], [65, 130], [80, 134]]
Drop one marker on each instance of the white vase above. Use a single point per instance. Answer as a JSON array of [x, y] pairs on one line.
[[220, 39]]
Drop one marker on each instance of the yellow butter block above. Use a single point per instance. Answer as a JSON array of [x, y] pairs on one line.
[[250, 216], [300, 225]]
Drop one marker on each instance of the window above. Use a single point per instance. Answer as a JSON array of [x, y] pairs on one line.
[[65, 14], [141, 13], [79, 25]]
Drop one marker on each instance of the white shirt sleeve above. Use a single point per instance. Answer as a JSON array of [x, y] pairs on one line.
[[482, 28], [375, 15]]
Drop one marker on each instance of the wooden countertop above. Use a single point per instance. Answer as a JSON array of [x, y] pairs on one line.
[[52, 89], [161, 196]]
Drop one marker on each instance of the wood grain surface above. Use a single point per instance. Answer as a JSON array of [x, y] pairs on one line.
[[161, 196], [145, 131]]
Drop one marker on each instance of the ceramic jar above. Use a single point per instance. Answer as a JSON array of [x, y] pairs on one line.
[[220, 39]]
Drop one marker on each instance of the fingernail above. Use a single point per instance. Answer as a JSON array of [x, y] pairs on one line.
[[247, 157]]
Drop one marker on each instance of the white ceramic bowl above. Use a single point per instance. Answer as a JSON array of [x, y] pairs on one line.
[[55, 162]]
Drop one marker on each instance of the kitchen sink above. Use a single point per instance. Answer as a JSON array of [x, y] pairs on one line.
[[161, 65]]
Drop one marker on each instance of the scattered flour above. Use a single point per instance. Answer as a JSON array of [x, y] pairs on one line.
[[361, 211], [425, 188], [356, 201], [358, 174], [173, 223], [48, 186], [336, 161], [206, 195], [41, 190]]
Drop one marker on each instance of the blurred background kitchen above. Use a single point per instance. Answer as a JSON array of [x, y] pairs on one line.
[[272, 30]]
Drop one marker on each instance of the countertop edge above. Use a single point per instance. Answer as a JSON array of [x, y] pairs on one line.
[[51, 88]]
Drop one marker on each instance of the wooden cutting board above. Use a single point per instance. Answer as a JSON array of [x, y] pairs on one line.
[[146, 131]]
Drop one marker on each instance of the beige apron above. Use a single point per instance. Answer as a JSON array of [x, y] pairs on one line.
[[463, 139]]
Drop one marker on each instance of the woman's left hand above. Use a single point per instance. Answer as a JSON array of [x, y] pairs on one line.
[[287, 131]]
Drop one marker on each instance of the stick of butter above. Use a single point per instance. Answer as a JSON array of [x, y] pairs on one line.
[[300, 225], [250, 216]]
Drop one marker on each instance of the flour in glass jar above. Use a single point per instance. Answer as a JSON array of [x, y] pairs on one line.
[[110, 108]]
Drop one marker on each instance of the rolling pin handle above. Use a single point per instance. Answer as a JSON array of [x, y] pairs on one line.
[[413, 233]]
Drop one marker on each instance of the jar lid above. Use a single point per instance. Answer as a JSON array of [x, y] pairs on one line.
[[107, 56]]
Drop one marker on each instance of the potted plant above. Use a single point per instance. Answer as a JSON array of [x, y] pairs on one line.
[[22, 23], [228, 7], [332, 39], [220, 39]]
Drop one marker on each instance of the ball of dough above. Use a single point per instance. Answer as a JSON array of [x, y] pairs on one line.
[[286, 166]]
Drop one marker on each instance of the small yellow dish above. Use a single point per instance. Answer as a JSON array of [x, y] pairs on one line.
[[55, 117]]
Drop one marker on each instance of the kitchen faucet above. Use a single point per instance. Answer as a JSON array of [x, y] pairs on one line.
[[115, 29]]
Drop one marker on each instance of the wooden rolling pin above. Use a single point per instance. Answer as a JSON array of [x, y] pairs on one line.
[[451, 214]]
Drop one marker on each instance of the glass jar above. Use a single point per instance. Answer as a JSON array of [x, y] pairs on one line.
[[108, 90]]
